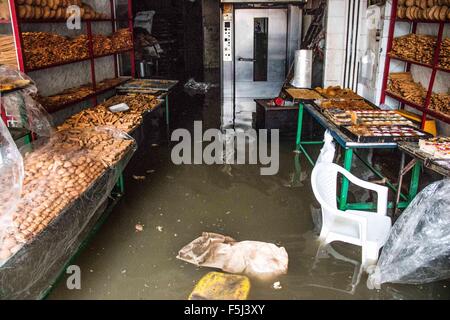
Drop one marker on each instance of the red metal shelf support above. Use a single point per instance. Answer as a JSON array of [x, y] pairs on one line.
[[425, 108]]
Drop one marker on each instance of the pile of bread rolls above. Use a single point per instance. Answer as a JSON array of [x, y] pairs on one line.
[[4, 10], [101, 116], [441, 103], [444, 58], [415, 47], [54, 9], [433, 10], [403, 85], [55, 176], [43, 48]]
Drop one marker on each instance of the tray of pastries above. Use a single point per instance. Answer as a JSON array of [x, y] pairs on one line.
[[338, 116], [381, 134], [379, 118], [148, 84], [438, 148], [337, 92], [303, 94], [346, 105]]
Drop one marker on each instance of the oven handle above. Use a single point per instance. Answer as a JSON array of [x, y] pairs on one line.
[[247, 59]]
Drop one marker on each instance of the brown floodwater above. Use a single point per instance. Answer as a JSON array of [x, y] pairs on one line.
[[175, 204]]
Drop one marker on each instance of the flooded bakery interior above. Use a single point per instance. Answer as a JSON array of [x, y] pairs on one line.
[[224, 150]]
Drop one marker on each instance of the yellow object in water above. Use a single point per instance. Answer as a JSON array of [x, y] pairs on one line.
[[221, 286]]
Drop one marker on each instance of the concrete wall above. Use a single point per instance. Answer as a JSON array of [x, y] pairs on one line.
[[211, 34]]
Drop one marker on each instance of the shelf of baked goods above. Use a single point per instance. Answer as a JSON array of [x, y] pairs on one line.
[[101, 115], [42, 50], [402, 87], [65, 20], [57, 64], [421, 21], [425, 11], [420, 50], [55, 10], [79, 94]]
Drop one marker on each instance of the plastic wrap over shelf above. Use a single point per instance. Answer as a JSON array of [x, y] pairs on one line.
[[418, 248], [67, 179]]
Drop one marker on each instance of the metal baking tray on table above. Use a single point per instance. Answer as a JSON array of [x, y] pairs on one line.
[[291, 93], [386, 138], [146, 85]]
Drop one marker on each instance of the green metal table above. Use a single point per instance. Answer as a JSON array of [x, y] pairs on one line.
[[349, 146]]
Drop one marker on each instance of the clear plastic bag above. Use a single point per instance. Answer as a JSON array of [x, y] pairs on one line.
[[68, 177], [328, 150], [418, 248], [11, 177], [21, 107]]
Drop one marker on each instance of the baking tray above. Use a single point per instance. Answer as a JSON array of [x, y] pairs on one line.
[[290, 95], [319, 107], [354, 96], [148, 84], [384, 139]]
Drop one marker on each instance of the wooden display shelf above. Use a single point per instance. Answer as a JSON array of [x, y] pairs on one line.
[[411, 61], [433, 113], [62, 63], [53, 109], [434, 66], [443, 69], [420, 21], [65, 20]]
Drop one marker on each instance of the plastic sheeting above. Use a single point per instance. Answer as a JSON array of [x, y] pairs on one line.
[[22, 107], [11, 177], [328, 150], [418, 248], [255, 259], [55, 212]]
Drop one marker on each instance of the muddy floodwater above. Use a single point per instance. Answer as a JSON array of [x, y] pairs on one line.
[[175, 204]]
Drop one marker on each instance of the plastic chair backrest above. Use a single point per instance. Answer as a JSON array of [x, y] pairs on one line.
[[324, 183]]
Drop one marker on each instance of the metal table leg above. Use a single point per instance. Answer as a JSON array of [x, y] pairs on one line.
[[301, 110], [348, 159], [167, 114], [414, 186]]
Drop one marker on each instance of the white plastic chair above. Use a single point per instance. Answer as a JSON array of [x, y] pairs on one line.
[[370, 230]]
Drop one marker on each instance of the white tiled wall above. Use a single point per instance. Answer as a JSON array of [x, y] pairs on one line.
[[335, 44]]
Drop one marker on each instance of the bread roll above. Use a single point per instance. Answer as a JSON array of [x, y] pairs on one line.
[[22, 11]]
